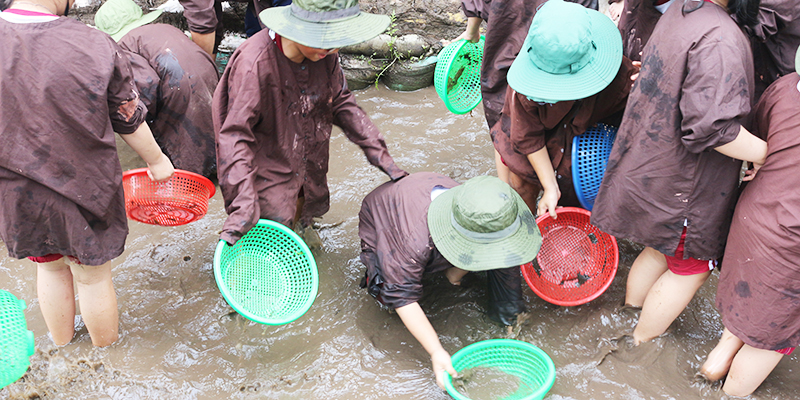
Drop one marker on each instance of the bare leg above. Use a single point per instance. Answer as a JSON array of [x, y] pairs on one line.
[[719, 360], [749, 369], [529, 191], [205, 41], [502, 169], [98, 302], [57, 299], [645, 271], [454, 275], [668, 297]]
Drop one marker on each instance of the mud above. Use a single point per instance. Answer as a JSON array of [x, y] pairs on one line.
[[179, 339]]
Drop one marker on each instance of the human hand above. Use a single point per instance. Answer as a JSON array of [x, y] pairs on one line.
[[752, 171], [161, 170], [441, 365], [615, 10], [548, 202], [638, 66], [471, 36]]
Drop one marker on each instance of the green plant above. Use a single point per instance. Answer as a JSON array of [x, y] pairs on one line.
[[393, 54]]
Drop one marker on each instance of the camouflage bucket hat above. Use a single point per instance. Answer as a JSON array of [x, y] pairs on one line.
[[324, 24], [118, 17], [483, 224]]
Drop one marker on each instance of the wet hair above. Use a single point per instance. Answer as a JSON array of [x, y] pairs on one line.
[[745, 12]]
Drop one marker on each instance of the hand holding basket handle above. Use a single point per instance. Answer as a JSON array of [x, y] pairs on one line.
[[142, 142]]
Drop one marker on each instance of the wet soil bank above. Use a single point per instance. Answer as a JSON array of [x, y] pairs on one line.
[[179, 339]]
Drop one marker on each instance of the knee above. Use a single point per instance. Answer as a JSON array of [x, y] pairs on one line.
[[90, 275]]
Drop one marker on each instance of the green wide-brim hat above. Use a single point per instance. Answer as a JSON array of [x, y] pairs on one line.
[[558, 18], [118, 17], [324, 24], [510, 238], [797, 61]]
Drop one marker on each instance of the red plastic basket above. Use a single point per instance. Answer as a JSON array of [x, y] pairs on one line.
[[577, 261], [180, 200]]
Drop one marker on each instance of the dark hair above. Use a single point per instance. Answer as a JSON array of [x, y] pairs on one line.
[[745, 12]]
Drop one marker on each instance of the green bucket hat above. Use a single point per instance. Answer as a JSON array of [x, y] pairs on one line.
[[570, 53], [118, 17], [797, 61], [483, 224], [324, 24]]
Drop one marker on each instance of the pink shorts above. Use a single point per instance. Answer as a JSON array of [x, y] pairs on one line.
[[51, 258], [689, 266], [787, 351]]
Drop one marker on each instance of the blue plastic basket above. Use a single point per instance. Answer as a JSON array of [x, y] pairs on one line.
[[590, 153]]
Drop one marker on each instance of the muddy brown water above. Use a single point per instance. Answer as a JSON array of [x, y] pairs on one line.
[[179, 339]]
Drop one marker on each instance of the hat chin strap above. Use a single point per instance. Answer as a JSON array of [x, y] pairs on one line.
[[485, 237], [323, 16]]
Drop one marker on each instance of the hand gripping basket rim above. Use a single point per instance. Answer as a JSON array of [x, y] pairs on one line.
[[540, 354], [447, 57], [226, 293], [599, 291]]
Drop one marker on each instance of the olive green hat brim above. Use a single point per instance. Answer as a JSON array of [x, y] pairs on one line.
[[146, 19], [471, 255], [324, 35]]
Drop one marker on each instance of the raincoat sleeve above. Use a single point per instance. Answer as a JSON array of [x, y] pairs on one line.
[[125, 109], [476, 8], [527, 129], [772, 17], [235, 111], [359, 128], [716, 95]]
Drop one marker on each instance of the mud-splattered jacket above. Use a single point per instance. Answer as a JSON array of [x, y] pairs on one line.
[[527, 126], [758, 293], [775, 40], [64, 89], [176, 80], [397, 248], [694, 88], [636, 24], [200, 15], [273, 120], [507, 24]]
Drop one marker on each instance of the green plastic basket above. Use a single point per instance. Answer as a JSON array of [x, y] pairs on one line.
[[529, 363], [457, 76], [269, 275], [16, 341]]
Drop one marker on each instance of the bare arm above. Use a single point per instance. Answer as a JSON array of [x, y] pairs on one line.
[[473, 31], [746, 147], [540, 161], [417, 323], [142, 142]]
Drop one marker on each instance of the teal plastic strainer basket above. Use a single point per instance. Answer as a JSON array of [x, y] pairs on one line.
[[533, 367], [269, 275], [457, 76], [16, 341]]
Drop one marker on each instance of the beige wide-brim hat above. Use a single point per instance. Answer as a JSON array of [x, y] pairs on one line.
[[483, 224], [324, 24]]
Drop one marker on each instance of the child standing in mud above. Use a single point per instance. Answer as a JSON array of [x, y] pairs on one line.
[[673, 173], [559, 86], [65, 89], [757, 294], [274, 108], [175, 80], [426, 223]]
